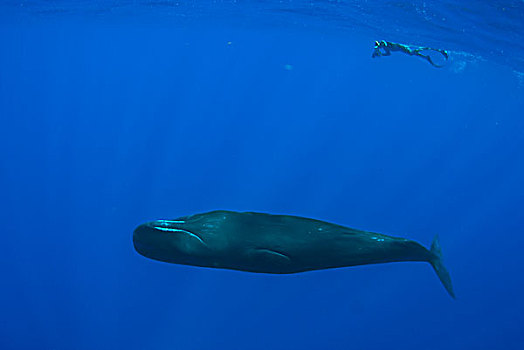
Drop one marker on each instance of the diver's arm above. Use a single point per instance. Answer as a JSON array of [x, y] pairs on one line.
[[378, 53], [387, 52]]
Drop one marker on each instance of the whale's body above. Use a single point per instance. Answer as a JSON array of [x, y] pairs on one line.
[[277, 244]]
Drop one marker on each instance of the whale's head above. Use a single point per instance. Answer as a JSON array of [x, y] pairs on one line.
[[191, 240]]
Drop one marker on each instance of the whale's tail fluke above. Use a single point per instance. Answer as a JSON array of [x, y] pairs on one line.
[[438, 266]]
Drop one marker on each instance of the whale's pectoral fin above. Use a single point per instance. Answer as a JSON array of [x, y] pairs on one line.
[[269, 257], [272, 254]]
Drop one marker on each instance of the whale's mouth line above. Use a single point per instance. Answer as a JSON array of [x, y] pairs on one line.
[[176, 230]]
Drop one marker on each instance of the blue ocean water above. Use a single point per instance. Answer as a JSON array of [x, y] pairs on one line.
[[113, 113]]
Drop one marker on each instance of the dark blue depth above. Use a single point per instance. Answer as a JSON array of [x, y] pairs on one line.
[[111, 120]]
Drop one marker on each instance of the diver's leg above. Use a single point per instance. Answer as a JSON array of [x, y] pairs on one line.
[[428, 57]]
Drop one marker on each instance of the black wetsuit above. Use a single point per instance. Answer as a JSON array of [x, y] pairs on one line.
[[384, 48]]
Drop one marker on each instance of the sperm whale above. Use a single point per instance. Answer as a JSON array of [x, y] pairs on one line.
[[277, 244]]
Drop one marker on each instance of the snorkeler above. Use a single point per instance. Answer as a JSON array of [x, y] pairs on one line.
[[384, 48]]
